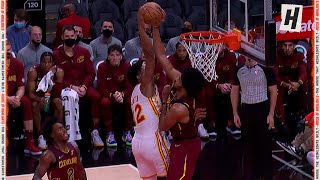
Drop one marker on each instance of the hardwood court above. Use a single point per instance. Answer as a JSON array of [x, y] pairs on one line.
[[117, 172]]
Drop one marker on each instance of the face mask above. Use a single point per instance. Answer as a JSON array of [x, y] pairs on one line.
[[36, 44], [19, 25], [186, 30], [107, 33], [69, 42], [78, 39]]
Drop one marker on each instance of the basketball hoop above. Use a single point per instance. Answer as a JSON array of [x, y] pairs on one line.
[[203, 49]]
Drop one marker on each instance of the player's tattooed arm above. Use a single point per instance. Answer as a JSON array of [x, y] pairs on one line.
[[47, 158]]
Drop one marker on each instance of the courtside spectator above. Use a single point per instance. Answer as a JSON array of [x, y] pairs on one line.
[[17, 102], [39, 102], [31, 53], [18, 33], [180, 59], [171, 46], [101, 44], [79, 33], [71, 18], [116, 90], [79, 74], [133, 46]]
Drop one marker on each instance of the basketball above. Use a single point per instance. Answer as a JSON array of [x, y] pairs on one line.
[[153, 13]]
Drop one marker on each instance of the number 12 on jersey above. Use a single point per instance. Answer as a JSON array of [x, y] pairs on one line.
[[137, 113]]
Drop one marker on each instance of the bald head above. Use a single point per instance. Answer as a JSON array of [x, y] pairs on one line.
[[69, 9], [36, 35]]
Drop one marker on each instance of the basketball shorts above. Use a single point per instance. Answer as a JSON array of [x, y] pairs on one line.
[[183, 158], [151, 154]]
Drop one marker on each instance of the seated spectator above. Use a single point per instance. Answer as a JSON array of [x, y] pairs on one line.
[[180, 59], [133, 46], [291, 77], [71, 18], [171, 46], [79, 39], [18, 102], [116, 91], [303, 142], [79, 74], [101, 44], [30, 54], [35, 75], [18, 33]]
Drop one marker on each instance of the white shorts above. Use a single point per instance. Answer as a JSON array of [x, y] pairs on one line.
[[151, 154]]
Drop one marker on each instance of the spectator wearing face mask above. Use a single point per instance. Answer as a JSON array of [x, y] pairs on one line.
[[133, 46], [18, 33], [71, 18], [171, 46], [31, 53], [101, 44]]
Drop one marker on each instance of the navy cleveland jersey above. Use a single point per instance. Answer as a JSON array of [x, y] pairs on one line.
[[66, 165]]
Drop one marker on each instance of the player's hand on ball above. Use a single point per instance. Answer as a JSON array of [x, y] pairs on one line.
[[166, 92]]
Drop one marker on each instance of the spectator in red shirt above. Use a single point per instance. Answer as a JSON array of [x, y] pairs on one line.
[[116, 91], [79, 74], [35, 75], [17, 101], [71, 18], [291, 77]]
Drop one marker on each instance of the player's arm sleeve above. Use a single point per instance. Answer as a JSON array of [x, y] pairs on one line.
[[89, 72]]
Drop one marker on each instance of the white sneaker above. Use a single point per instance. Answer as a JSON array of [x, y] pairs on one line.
[[110, 140], [96, 139], [202, 131], [127, 138], [42, 144]]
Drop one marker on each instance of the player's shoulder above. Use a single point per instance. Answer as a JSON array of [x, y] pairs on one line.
[[48, 156]]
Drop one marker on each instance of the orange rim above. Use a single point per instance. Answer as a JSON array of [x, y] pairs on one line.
[[232, 39]]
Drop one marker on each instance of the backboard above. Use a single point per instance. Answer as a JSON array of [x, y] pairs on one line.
[[251, 17]]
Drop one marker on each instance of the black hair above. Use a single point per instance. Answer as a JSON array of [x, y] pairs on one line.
[[21, 14], [107, 20], [178, 43], [115, 47], [46, 54], [47, 129], [193, 81], [133, 72], [69, 28]]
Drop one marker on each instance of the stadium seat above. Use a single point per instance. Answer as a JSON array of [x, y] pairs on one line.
[[199, 21], [171, 27], [118, 30], [170, 6], [130, 8], [102, 9], [132, 28], [190, 6]]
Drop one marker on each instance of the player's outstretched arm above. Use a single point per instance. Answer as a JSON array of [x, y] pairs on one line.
[[147, 87], [159, 50], [46, 159]]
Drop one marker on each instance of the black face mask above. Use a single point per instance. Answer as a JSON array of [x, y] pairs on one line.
[[78, 39], [69, 42], [107, 33], [186, 30], [36, 44]]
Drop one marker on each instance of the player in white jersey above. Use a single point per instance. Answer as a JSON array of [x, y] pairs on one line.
[[149, 147]]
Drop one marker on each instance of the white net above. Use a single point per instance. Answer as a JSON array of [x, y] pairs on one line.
[[203, 55]]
